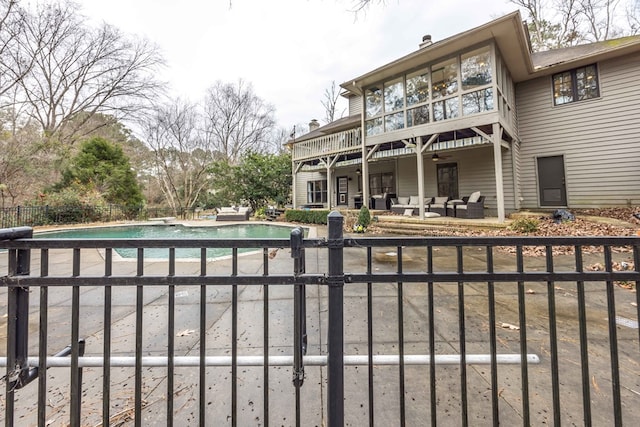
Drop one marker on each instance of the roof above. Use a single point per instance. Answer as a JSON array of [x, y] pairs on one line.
[[570, 57]]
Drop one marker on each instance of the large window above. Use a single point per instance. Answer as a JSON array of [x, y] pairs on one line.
[[417, 88], [449, 88], [575, 85], [444, 78], [380, 183], [317, 191], [475, 69], [475, 73]]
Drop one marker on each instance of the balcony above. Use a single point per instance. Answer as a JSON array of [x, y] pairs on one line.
[[348, 141]]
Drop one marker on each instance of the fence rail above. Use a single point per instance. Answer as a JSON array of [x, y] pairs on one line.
[[401, 331], [33, 216]]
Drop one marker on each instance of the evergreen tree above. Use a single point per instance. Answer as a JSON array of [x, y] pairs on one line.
[[102, 167]]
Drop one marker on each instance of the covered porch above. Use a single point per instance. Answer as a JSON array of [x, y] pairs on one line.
[[455, 163]]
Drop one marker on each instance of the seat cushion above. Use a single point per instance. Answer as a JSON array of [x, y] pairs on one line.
[[474, 197], [440, 200]]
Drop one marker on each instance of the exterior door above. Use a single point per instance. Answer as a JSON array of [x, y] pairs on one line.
[[343, 188], [448, 180], [551, 182]]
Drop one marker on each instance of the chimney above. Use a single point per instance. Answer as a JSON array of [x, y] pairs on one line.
[[313, 125], [426, 41]]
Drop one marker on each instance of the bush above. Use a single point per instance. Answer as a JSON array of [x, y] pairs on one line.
[[307, 217], [525, 225], [364, 217]]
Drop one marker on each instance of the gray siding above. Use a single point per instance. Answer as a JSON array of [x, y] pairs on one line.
[[598, 138], [355, 105]]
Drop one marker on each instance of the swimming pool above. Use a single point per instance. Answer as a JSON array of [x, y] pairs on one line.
[[174, 231]]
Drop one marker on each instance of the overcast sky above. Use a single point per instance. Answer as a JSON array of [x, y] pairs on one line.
[[289, 50]]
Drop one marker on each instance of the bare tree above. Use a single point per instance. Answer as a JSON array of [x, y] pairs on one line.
[[13, 65], [182, 153], [237, 120], [560, 23], [331, 96], [79, 71], [632, 15], [22, 173], [599, 18]]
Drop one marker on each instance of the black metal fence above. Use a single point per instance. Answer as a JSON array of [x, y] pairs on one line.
[[33, 216], [384, 331]]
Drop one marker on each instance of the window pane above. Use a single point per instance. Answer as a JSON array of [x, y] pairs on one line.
[[417, 88], [375, 184], [418, 116], [373, 101], [387, 183], [444, 78], [586, 83], [475, 68], [394, 121], [476, 102], [447, 109], [438, 111], [451, 108], [393, 95], [562, 88], [373, 126]]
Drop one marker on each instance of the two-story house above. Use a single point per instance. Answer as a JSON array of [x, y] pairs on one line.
[[479, 111]]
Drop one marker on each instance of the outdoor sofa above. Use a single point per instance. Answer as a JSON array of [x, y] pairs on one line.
[[401, 204], [233, 214]]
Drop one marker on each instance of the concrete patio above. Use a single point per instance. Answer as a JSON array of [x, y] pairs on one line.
[[385, 338]]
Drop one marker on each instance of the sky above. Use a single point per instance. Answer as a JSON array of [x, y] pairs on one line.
[[289, 50]]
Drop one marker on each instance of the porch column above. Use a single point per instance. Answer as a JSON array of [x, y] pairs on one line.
[[329, 186], [497, 161], [294, 185], [420, 165], [365, 159]]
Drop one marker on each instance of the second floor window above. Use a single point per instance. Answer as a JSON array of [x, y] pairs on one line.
[[576, 85]]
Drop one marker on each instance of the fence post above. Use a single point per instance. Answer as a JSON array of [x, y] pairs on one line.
[[335, 340], [17, 319]]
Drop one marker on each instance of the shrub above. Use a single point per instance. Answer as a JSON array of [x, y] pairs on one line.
[[307, 216], [364, 217], [525, 225]]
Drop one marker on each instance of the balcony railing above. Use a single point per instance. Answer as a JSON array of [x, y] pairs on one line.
[[336, 143]]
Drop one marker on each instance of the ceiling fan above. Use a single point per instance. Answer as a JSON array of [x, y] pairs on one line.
[[436, 157]]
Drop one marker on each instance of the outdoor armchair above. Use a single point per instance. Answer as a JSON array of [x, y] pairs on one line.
[[468, 207]]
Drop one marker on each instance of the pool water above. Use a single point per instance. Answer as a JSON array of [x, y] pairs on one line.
[[174, 231]]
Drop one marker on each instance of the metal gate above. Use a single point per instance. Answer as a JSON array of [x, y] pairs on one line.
[[403, 330]]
